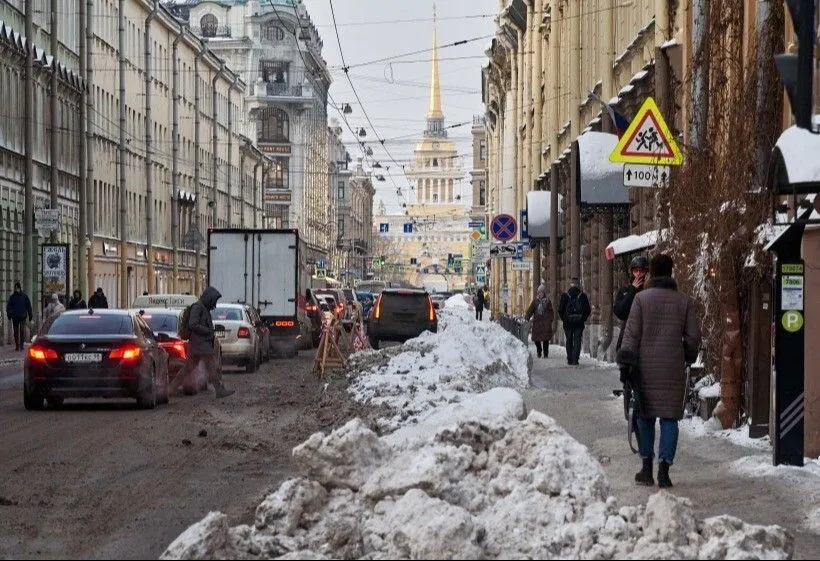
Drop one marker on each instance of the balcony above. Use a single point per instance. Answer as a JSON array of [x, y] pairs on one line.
[[281, 89], [210, 32]]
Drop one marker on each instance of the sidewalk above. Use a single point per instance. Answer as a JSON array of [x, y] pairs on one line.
[[9, 356], [719, 476]]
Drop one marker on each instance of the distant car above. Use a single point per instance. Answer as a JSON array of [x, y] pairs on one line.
[[239, 336], [438, 300], [95, 353], [338, 296], [400, 314], [164, 322], [314, 316]]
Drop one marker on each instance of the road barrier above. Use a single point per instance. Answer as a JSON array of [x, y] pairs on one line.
[[516, 325]]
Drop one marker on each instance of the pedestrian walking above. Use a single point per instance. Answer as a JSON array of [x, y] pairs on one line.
[[574, 310], [18, 310], [542, 314], [201, 338], [76, 302], [662, 334], [98, 299], [478, 301], [54, 309]]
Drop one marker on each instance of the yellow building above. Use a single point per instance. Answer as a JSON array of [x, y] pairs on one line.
[[432, 239]]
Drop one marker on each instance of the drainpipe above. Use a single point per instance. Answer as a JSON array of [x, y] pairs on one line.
[[700, 74], [242, 155], [123, 194], [30, 239], [55, 134], [82, 235], [255, 191], [175, 160], [555, 53], [214, 141], [764, 53], [89, 144], [575, 115], [149, 155], [230, 154], [197, 163]]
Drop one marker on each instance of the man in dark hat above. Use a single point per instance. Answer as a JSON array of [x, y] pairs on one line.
[[18, 308]]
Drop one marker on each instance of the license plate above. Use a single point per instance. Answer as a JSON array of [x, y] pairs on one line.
[[82, 358], [221, 334]]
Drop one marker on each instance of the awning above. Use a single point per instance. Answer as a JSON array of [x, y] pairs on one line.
[[635, 242], [601, 181]]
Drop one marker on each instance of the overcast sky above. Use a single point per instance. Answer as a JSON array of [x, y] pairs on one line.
[[394, 93]]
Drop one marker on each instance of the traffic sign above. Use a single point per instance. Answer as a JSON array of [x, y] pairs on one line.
[[524, 224], [46, 219], [503, 227], [647, 140], [481, 250], [475, 235], [503, 250], [384, 228], [522, 265], [475, 224], [408, 228], [642, 175]]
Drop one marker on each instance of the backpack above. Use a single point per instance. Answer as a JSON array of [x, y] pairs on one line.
[[182, 329], [575, 310]]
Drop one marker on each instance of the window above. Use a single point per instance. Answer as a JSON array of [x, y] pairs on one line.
[[482, 193], [277, 176], [272, 32], [341, 191], [273, 125], [274, 71], [435, 162], [340, 226], [482, 150], [435, 197], [208, 25]]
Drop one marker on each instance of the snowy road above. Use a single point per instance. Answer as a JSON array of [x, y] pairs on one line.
[[581, 400]]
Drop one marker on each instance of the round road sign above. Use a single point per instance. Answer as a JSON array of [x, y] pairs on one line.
[[792, 321], [503, 227]]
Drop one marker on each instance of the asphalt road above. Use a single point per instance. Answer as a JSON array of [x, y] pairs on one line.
[[105, 480]]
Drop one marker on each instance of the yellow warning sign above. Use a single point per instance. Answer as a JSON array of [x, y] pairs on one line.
[[476, 235], [647, 140]]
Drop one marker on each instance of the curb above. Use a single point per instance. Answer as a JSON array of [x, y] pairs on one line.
[[10, 361]]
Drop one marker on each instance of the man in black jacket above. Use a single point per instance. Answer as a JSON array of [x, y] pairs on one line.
[[98, 300], [574, 310], [638, 273], [18, 308]]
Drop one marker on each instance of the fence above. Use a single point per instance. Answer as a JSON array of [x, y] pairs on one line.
[[517, 325]]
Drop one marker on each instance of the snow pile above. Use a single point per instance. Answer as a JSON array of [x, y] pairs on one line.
[[501, 489], [464, 358], [456, 301], [697, 427], [709, 391]]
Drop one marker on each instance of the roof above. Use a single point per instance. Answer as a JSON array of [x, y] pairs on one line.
[[100, 312], [635, 242], [404, 291]]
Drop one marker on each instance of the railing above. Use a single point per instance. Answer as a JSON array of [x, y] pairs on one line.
[[282, 89], [220, 31], [517, 325]]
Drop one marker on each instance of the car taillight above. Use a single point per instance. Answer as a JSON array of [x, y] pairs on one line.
[[311, 308], [127, 352], [243, 333], [431, 309], [42, 353], [284, 323], [377, 312], [179, 349]]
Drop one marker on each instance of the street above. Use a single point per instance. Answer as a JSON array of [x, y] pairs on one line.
[[581, 400], [104, 480]]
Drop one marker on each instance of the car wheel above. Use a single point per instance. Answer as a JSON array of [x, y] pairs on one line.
[[148, 396], [32, 401], [374, 343], [55, 402]]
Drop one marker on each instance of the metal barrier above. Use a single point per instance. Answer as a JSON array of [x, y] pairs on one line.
[[516, 325]]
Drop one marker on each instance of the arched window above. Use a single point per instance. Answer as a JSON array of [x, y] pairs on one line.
[[273, 125], [208, 25], [272, 32]]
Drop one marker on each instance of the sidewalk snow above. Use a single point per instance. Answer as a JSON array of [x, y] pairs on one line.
[[697, 427], [494, 490], [465, 357], [456, 301]]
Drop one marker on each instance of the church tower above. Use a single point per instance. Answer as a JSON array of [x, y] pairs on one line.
[[436, 169]]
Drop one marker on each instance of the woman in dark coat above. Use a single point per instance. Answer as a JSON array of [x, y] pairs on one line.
[[542, 314]]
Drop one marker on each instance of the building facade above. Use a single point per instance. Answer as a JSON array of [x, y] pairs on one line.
[[278, 52], [478, 173]]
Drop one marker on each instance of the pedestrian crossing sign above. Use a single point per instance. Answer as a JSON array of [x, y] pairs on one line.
[[647, 140]]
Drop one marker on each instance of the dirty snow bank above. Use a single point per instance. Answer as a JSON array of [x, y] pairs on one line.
[[499, 489], [463, 358], [456, 301]]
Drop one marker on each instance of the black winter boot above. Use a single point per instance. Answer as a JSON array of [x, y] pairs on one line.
[[644, 477], [663, 475]]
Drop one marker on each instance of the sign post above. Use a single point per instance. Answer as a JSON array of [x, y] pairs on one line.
[[56, 267]]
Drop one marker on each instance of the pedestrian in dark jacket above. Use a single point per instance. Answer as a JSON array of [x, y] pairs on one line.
[[18, 309], [638, 275], [662, 334], [201, 342], [76, 302], [479, 302], [98, 299], [574, 310], [542, 314]]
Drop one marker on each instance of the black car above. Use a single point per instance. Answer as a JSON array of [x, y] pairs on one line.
[[400, 314], [95, 353]]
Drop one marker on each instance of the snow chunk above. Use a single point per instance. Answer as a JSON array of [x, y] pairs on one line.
[[456, 301], [201, 540], [799, 149], [710, 391]]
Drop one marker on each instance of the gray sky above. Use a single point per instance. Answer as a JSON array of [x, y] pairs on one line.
[[395, 93]]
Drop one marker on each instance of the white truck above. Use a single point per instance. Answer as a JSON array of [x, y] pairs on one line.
[[260, 268]]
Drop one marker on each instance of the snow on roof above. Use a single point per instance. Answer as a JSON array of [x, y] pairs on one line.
[[626, 89], [601, 180], [670, 43], [800, 149], [635, 242]]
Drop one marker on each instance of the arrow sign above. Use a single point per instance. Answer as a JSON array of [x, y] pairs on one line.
[[503, 250]]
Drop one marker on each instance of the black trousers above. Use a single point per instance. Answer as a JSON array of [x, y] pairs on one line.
[[479, 312], [543, 348], [574, 337], [18, 326]]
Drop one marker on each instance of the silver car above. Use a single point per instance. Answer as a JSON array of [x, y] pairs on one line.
[[240, 337]]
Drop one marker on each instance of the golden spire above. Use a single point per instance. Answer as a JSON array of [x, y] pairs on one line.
[[434, 111]]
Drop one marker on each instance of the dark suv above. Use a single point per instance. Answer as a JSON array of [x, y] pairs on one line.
[[400, 314]]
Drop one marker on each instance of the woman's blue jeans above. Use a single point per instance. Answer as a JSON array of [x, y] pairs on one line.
[[668, 443]]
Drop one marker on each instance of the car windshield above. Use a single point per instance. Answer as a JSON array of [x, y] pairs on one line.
[[349, 294], [226, 314], [162, 323], [91, 324]]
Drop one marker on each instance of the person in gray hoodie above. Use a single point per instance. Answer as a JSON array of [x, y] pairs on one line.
[[201, 341]]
